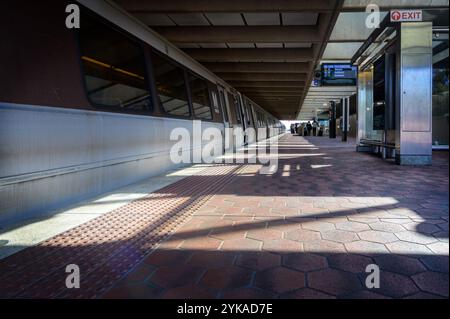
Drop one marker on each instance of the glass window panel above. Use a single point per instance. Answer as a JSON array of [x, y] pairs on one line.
[[247, 114], [171, 86], [237, 110], [200, 98], [114, 67], [440, 89], [224, 106]]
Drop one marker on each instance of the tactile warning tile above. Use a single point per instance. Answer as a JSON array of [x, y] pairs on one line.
[[107, 247]]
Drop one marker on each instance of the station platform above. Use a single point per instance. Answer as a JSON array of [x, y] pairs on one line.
[[308, 230]]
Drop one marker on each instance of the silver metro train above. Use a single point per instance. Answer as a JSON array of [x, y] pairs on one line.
[[84, 111]]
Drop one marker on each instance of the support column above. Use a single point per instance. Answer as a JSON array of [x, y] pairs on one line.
[[365, 92], [345, 116], [414, 97], [332, 120]]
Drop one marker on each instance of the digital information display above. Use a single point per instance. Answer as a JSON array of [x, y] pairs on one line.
[[339, 74]]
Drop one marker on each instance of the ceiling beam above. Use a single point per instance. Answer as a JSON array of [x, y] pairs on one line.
[[240, 34], [267, 84], [274, 94], [275, 99], [178, 6], [270, 77], [318, 93], [272, 97], [278, 105], [265, 67], [233, 55], [270, 89]]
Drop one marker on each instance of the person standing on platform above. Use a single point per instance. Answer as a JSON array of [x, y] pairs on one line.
[[309, 128], [314, 127]]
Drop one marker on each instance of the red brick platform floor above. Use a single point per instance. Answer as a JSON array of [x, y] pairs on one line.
[[307, 231]]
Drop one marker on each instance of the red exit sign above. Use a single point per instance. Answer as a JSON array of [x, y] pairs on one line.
[[406, 15]]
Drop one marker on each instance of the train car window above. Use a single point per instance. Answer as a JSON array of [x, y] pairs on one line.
[[215, 101], [114, 67], [238, 111], [171, 86], [247, 113], [260, 120], [224, 106], [200, 98]]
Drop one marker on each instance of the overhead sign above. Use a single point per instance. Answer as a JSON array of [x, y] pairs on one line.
[[340, 74], [406, 15]]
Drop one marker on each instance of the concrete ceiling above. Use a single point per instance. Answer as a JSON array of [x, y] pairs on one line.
[[266, 49]]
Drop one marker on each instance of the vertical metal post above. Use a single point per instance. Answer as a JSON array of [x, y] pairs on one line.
[[414, 97], [332, 120], [344, 128]]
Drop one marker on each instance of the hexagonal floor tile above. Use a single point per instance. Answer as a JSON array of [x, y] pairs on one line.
[[444, 226], [264, 234], [417, 238], [226, 277], [280, 280], [282, 246], [387, 227], [201, 243], [258, 260], [396, 285], [436, 263], [334, 282], [350, 262], [285, 225], [302, 235], [406, 248], [398, 221], [442, 236], [162, 257], [305, 261], [340, 236], [212, 258], [352, 226], [439, 248], [241, 244], [366, 248], [433, 282], [228, 233], [319, 226], [377, 236], [176, 275], [324, 247], [422, 228], [399, 264]]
